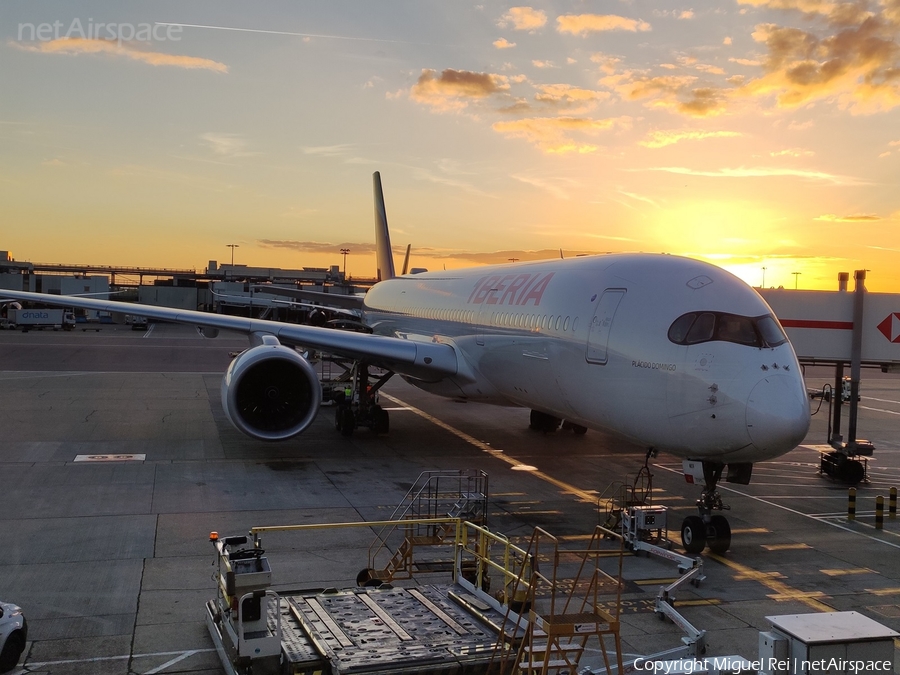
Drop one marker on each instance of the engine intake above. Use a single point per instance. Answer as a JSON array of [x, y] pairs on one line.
[[270, 392]]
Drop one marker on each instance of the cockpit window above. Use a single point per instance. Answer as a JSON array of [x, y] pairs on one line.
[[771, 331], [696, 327], [734, 328], [702, 329], [679, 329]]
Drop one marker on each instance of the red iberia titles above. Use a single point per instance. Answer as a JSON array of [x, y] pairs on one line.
[[510, 289]]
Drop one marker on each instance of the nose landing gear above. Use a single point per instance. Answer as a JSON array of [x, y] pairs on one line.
[[709, 528]]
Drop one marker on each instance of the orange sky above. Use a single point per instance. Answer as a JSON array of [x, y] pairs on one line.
[[753, 134]]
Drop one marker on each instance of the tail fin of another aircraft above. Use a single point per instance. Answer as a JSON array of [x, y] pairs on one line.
[[406, 260], [384, 257]]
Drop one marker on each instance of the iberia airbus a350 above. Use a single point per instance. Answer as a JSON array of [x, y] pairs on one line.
[[673, 354]]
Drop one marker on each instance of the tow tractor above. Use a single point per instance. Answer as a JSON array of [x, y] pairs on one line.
[[245, 617]]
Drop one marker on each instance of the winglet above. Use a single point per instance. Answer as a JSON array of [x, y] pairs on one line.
[[384, 257]]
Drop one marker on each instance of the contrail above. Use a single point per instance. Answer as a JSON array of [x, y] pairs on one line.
[[284, 32]]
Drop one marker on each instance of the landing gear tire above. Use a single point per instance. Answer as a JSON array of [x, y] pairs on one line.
[[718, 534], [344, 420], [543, 422], [576, 429], [12, 651], [693, 534], [381, 421]]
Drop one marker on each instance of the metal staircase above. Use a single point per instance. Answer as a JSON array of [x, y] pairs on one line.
[[460, 494], [563, 612]]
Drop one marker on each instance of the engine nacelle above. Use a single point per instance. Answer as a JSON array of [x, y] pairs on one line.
[[270, 392]]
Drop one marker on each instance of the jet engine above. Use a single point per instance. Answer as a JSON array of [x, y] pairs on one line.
[[270, 392]]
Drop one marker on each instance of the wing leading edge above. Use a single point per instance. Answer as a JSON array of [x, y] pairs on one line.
[[422, 360]]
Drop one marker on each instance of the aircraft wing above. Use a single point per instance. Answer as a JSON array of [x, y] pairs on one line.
[[419, 359], [248, 301], [326, 299]]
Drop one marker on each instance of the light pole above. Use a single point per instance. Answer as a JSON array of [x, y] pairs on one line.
[[796, 278], [344, 252], [232, 247], [764, 278]]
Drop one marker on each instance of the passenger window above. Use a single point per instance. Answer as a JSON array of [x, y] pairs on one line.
[[566, 324], [702, 329], [557, 322]]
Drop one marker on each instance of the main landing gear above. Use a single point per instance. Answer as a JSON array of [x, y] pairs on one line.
[[357, 405], [541, 421], [707, 529]]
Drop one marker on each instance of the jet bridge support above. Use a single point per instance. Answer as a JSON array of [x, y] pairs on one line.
[[848, 461]]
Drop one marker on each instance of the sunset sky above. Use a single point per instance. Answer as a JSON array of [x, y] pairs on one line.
[[750, 133]]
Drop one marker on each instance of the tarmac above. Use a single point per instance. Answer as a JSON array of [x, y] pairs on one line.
[[116, 462]]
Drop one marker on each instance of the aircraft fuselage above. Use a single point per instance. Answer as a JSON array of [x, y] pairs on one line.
[[590, 340]]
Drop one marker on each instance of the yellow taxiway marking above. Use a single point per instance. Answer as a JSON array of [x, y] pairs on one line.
[[785, 547], [696, 603], [781, 589], [771, 575], [858, 570], [883, 591], [588, 496], [751, 530], [802, 596]]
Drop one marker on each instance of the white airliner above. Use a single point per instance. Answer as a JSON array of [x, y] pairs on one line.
[[671, 353]]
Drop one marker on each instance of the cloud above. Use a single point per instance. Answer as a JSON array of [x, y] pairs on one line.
[[660, 139], [555, 135], [759, 172], [524, 18], [856, 64], [537, 63], [227, 145], [503, 43], [837, 13], [339, 150], [316, 246], [709, 68], [453, 89], [686, 14], [543, 184], [792, 152], [568, 96], [674, 92], [425, 174], [860, 218], [583, 24], [608, 64], [75, 46]]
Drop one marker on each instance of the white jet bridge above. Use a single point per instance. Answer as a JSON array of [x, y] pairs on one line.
[[840, 329]]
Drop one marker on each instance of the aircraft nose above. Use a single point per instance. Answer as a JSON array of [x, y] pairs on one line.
[[777, 413]]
